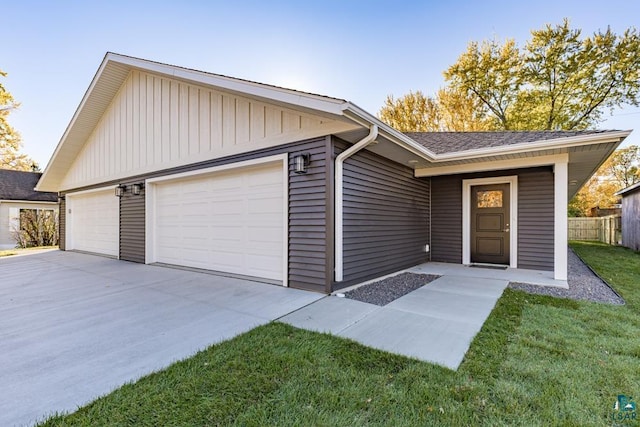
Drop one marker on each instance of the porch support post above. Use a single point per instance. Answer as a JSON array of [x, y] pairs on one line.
[[561, 182]]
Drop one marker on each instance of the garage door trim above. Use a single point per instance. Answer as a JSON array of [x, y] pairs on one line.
[[150, 199], [70, 217]]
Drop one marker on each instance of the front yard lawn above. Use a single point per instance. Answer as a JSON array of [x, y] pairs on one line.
[[538, 360]]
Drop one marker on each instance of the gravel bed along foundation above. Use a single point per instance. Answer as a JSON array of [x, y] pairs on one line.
[[583, 285], [389, 289]]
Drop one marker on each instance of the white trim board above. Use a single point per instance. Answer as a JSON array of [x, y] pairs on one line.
[[491, 166], [513, 215], [150, 196]]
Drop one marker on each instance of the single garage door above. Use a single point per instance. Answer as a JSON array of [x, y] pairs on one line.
[[93, 222], [231, 221]]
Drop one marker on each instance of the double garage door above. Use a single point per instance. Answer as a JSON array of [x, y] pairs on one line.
[[231, 221]]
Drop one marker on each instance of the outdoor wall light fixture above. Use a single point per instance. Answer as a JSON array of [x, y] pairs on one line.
[[301, 162], [120, 189], [136, 189]]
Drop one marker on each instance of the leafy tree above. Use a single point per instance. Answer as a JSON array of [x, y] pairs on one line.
[[559, 80], [622, 168], [412, 112], [448, 111], [10, 141], [490, 73], [37, 227]]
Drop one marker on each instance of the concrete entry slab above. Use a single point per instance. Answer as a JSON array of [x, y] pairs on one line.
[[76, 326], [330, 314], [444, 342], [472, 286], [435, 323]]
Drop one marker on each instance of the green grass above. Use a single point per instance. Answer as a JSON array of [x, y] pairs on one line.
[[538, 361]]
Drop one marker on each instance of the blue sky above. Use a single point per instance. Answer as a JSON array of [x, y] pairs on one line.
[[357, 50]]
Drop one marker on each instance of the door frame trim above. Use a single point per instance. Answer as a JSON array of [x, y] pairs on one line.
[[150, 196], [512, 180]]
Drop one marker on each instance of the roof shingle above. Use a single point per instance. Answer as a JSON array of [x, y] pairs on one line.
[[18, 185], [453, 142]]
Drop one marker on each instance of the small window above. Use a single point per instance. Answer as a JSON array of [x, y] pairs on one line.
[[489, 199]]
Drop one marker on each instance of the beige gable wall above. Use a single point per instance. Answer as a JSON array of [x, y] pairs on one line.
[[156, 123]]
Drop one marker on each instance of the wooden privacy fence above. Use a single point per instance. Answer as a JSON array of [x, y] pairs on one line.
[[606, 229]]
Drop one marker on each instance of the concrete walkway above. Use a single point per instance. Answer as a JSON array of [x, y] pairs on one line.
[[74, 327], [435, 323]]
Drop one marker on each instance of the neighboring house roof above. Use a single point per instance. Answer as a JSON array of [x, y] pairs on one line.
[[627, 191], [453, 142], [19, 185], [429, 154]]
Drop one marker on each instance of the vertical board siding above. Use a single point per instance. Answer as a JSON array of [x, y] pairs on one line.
[[535, 216], [446, 219], [631, 220], [132, 226], [155, 123], [535, 219], [385, 219]]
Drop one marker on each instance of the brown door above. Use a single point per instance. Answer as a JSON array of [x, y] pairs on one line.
[[490, 232]]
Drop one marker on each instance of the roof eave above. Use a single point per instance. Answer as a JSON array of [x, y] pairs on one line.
[[629, 189], [546, 144]]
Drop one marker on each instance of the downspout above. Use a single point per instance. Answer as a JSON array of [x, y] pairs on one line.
[[373, 134]]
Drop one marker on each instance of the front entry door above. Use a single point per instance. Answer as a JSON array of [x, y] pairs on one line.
[[490, 232]]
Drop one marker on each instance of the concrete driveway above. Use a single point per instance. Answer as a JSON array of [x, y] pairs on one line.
[[74, 327]]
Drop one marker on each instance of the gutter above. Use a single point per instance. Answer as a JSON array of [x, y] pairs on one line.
[[339, 209]]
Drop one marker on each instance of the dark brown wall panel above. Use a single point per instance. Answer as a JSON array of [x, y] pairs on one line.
[[310, 225], [535, 219], [132, 226], [535, 216], [385, 219], [62, 224], [446, 219]]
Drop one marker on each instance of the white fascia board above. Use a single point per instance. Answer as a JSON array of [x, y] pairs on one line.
[[45, 175], [491, 166], [93, 190]]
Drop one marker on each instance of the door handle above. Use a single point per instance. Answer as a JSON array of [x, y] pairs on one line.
[[506, 230]]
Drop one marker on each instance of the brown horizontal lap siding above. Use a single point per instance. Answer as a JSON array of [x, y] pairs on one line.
[[132, 226], [535, 216], [385, 217], [310, 226], [310, 220], [62, 224], [446, 219], [536, 219]]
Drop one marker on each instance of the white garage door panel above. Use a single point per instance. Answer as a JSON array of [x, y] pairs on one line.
[[94, 222], [231, 221]]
